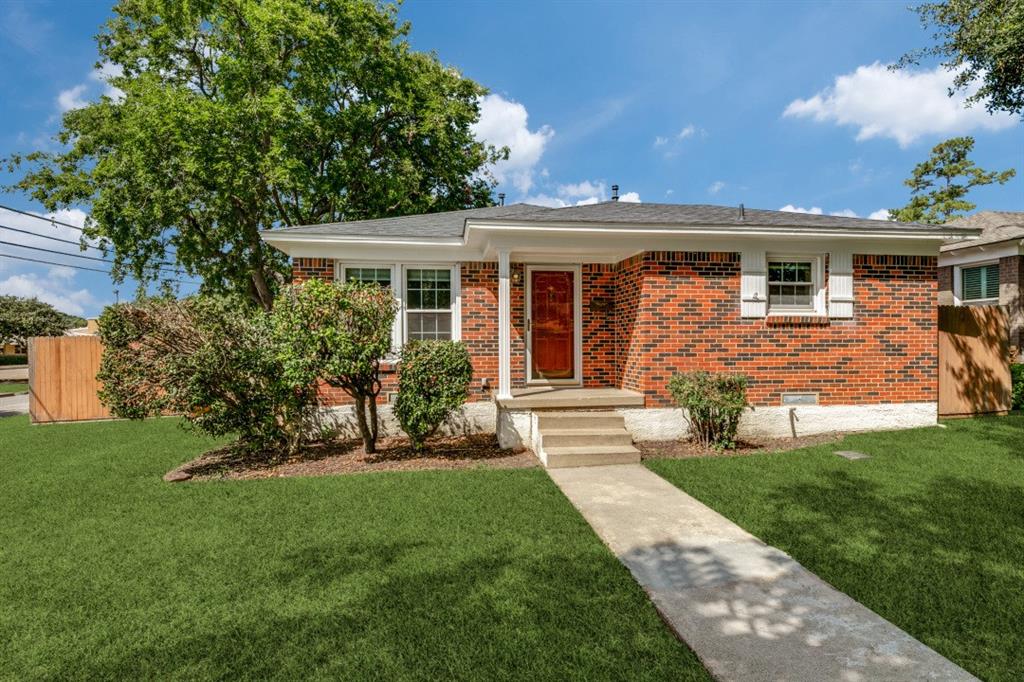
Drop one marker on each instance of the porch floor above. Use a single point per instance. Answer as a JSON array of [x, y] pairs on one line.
[[570, 397]]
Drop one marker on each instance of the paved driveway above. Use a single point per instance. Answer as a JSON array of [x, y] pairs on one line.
[[16, 404]]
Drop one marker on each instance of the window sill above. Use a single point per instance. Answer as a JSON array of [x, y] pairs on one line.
[[797, 320]]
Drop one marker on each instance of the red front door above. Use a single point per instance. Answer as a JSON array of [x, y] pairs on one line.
[[552, 329]]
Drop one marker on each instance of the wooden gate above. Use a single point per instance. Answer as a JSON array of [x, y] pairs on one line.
[[974, 361], [62, 379]]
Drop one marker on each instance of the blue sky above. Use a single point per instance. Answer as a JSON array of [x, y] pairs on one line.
[[769, 104]]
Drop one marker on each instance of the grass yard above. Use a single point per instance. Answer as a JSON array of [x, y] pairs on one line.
[[108, 572], [929, 532], [7, 387]]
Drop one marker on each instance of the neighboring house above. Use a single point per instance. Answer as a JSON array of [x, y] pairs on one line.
[[988, 270], [833, 319]]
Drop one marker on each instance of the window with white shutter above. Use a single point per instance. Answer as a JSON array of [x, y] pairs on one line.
[[980, 283]]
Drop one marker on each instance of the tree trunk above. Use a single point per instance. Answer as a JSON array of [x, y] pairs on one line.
[[369, 442], [262, 295], [374, 421]]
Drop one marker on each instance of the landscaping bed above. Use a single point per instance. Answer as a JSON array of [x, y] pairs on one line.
[[106, 572], [928, 532], [349, 457], [684, 449]]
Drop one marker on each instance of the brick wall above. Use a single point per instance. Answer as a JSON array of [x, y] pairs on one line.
[[680, 310], [688, 318], [945, 279], [309, 268], [1011, 279]]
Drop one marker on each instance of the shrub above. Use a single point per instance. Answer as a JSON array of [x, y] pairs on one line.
[[713, 403], [1017, 375], [338, 333], [14, 359], [210, 360], [433, 382]]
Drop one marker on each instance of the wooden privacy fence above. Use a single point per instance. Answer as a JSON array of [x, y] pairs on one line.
[[974, 361], [62, 379]]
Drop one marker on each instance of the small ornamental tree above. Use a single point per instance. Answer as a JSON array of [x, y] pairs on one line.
[[712, 404], [22, 318], [433, 382], [338, 333], [210, 360]]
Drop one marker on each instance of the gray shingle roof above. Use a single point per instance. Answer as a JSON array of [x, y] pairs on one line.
[[995, 226], [452, 223]]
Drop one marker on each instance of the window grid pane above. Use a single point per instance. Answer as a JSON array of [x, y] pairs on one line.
[[381, 276], [429, 289], [791, 284]]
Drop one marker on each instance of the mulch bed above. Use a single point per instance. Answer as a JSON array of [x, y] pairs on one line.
[[677, 449], [348, 457]]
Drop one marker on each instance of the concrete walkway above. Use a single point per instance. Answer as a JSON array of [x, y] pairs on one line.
[[748, 610], [12, 405]]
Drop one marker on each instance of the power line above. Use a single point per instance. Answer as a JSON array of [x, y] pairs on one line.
[[48, 262], [80, 255], [52, 221], [46, 236], [41, 217]]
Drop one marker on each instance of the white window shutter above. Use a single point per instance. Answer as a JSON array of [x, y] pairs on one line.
[[840, 284], [754, 284]]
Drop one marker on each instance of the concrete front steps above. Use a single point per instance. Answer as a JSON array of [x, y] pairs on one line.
[[584, 438]]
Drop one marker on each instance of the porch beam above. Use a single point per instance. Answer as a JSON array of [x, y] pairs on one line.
[[504, 326]]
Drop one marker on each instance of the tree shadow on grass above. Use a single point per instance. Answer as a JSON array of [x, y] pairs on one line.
[[943, 562], [393, 610]]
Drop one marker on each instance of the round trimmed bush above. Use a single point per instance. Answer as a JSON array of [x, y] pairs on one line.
[[433, 382]]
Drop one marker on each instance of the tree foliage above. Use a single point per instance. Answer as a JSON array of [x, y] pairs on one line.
[[22, 318], [229, 117], [713, 403], [978, 39], [939, 185], [338, 333], [210, 360], [433, 382]]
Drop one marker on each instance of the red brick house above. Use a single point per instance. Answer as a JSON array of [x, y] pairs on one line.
[[989, 269], [833, 319]]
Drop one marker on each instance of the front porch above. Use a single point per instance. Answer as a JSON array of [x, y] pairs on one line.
[[570, 398], [570, 426]]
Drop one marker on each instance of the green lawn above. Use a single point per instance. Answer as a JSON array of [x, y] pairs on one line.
[[108, 572], [13, 388], [929, 532]]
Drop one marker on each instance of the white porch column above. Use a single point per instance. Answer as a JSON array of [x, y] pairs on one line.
[[504, 326]]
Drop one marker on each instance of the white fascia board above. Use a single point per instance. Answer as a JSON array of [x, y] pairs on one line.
[[982, 252]]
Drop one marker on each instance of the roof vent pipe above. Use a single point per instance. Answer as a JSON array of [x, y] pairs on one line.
[[501, 198], [743, 213], [615, 192]]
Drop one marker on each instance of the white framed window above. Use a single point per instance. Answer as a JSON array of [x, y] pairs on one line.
[[795, 285], [428, 296], [977, 283]]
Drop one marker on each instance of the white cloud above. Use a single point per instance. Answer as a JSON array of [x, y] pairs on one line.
[[588, 201], [504, 123], [545, 200], [902, 105], [880, 214], [72, 98], [57, 291], [845, 213], [630, 198], [103, 74], [686, 132], [669, 192], [790, 208], [716, 187], [581, 189], [660, 141]]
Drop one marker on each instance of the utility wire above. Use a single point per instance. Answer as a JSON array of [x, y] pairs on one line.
[[46, 236], [80, 255], [48, 262], [92, 258], [52, 221]]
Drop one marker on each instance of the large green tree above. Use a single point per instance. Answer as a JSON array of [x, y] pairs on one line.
[[978, 39], [22, 318], [235, 116], [939, 185]]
